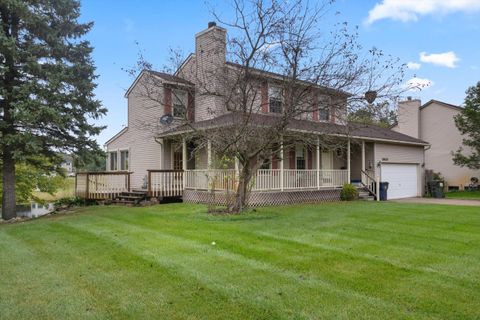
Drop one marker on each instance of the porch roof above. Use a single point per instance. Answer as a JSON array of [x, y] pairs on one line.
[[352, 129]]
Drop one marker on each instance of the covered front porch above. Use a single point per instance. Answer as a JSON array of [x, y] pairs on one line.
[[304, 170]]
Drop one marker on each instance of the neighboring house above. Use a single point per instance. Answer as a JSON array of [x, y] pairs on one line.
[[434, 122], [303, 173], [67, 165]]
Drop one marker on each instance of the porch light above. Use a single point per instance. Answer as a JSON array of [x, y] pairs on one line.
[[370, 96]]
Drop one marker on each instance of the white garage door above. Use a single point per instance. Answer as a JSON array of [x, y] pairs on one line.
[[402, 179]]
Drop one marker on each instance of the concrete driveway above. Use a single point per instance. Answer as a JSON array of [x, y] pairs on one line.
[[453, 202]]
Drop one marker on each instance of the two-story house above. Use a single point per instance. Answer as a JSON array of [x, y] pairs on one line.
[[434, 122], [302, 173]]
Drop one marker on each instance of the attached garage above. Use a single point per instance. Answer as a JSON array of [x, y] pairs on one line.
[[402, 179]]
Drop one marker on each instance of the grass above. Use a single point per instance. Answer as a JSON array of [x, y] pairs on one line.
[[68, 190], [335, 261], [467, 195]]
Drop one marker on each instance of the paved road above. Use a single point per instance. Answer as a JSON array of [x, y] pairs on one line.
[[453, 202]]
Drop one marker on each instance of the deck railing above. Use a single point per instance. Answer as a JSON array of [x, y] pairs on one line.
[[101, 185], [266, 179]]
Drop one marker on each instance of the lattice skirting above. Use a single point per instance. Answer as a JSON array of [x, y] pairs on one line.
[[258, 199]]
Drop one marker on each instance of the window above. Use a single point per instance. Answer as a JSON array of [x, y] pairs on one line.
[[275, 96], [124, 160], [300, 156], [324, 114], [179, 103], [113, 161], [265, 164]]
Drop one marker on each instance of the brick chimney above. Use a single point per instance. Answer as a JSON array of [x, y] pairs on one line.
[[210, 56], [408, 117]]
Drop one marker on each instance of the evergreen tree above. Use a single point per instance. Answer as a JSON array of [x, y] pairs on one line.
[[46, 86], [468, 122]]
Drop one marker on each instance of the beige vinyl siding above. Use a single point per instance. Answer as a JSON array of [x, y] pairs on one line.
[[144, 152], [437, 126]]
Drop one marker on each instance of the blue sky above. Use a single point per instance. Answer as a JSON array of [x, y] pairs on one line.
[[440, 38]]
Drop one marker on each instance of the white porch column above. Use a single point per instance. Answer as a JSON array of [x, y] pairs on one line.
[[348, 160], [162, 153], [363, 160], [184, 161], [209, 163], [281, 164], [317, 147], [209, 154]]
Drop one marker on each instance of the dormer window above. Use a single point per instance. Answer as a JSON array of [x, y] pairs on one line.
[[275, 99], [179, 105]]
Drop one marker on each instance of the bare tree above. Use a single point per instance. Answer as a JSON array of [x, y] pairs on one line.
[[311, 66]]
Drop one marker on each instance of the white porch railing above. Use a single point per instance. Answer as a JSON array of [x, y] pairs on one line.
[[266, 179]]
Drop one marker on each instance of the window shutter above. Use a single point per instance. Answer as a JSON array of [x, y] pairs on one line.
[[310, 159], [315, 107], [264, 97], [167, 100], [332, 114], [191, 107], [292, 159], [274, 162]]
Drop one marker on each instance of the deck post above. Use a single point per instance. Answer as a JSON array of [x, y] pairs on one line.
[[348, 160], [149, 183], [317, 147], [87, 186], [184, 162], [281, 164]]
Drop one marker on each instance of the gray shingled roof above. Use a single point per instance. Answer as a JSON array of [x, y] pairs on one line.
[[355, 130], [170, 78]]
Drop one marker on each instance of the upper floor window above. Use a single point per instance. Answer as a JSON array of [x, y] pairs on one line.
[[324, 113], [179, 105], [113, 161], [275, 99], [124, 160]]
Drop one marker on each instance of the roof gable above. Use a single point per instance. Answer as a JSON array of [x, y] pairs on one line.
[[441, 103]]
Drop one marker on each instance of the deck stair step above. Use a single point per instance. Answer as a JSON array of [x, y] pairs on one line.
[[131, 197], [364, 194]]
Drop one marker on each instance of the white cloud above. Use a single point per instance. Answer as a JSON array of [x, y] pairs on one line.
[[410, 10], [413, 65], [446, 59], [418, 84]]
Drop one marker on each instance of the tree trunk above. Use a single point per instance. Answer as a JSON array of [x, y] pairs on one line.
[[242, 191], [8, 195]]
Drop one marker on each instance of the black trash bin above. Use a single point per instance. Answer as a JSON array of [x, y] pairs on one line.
[[436, 189], [383, 191]]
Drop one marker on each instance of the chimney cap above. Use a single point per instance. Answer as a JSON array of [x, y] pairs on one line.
[[212, 24]]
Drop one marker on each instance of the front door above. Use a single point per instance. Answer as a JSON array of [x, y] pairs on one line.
[[177, 160], [327, 160]]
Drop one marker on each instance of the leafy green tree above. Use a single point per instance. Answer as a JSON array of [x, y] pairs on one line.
[[31, 178], [46, 87], [380, 115], [90, 160], [468, 122]]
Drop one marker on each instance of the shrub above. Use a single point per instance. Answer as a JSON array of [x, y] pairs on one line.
[[71, 202], [349, 192]]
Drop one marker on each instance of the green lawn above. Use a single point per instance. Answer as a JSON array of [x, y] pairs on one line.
[[362, 260], [469, 195]]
